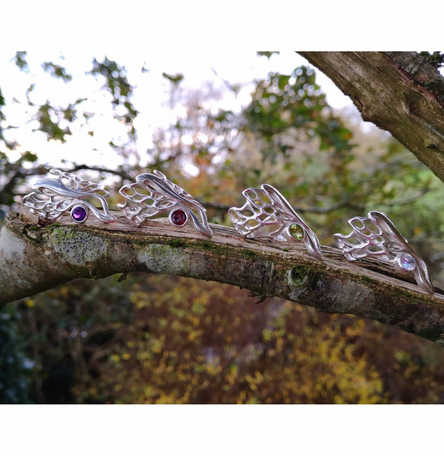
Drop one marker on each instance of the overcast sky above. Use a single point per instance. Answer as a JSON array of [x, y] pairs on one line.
[[235, 67]]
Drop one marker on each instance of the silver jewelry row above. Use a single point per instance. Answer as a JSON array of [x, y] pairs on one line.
[[265, 214]]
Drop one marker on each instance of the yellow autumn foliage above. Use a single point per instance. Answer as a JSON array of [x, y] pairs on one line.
[[187, 346]]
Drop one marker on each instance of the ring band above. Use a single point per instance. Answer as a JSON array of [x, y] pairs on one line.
[[376, 235], [159, 195], [267, 214], [51, 198]]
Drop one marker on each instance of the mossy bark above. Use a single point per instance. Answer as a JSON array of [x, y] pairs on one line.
[[36, 258]]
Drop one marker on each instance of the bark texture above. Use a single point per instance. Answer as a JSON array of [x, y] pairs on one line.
[[400, 92], [36, 258]]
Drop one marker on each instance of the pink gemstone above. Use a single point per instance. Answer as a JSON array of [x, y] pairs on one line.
[[178, 217], [78, 214]]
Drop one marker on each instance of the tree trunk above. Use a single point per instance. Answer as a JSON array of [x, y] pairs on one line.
[[400, 92], [36, 258]]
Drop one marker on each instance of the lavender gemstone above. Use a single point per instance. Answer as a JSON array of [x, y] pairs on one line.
[[407, 262], [79, 214]]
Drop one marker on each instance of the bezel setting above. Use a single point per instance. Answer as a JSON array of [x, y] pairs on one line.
[[81, 206], [171, 216]]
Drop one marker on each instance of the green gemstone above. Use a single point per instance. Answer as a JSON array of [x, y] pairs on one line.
[[296, 232]]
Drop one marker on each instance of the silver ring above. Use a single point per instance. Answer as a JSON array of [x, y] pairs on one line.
[[267, 214], [51, 198], [376, 235], [154, 194]]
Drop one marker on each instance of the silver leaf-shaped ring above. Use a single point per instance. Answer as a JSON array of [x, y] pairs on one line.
[[51, 198], [267, 214], [153, 194], [377, 236]]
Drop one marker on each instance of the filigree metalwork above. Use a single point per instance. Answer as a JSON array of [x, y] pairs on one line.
[[51, 198], [377, 236], [153, 194], [267, 214]]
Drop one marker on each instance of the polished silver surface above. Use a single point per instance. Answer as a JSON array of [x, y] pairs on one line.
[[376, 235], [153, 194], [267, 214], [51, 198]]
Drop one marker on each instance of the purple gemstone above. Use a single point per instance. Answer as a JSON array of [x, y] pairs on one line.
[[178, 217], [79, 214]]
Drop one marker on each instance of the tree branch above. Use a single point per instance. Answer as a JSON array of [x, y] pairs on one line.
[[37, 258], [400, 92], [117, 172]]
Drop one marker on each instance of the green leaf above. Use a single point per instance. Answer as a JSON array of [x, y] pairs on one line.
[[283, 81], [56, 71], [267, 54], [20, 60], [176, 79]]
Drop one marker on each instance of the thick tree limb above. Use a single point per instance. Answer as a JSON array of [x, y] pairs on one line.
[[398, 91], [35, 258]]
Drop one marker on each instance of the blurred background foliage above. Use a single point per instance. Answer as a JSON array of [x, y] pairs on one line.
[[160, 339]]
